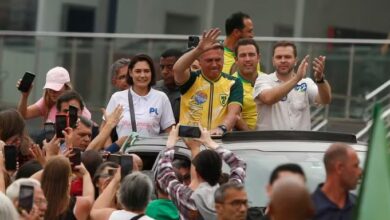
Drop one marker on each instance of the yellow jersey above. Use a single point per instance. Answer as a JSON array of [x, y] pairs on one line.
[[249, 111], [206, 101]]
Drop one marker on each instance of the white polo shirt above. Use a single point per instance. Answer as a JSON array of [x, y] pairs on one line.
[[292, 112], [153, 112]]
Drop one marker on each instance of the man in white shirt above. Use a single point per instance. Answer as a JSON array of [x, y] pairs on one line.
[[284, 97]]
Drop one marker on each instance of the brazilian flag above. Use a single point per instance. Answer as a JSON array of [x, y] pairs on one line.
[[374, 195]]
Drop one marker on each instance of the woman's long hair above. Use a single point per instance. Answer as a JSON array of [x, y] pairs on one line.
[[56, 185], [11, 123]]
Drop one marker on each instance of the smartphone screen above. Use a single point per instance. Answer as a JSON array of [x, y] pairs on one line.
[[50, 130], [61, 124], [26, 82], [126, 165], [10, 155], [26, 197], [116, 158], [189, 131], [72, 116], [75, 160]]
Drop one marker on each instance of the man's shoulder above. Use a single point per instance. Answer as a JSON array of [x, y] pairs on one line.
[[228, 76]]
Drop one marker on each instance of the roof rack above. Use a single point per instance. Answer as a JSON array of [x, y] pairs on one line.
[[288, 135]]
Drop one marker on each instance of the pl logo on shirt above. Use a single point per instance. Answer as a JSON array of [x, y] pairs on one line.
[[153, 110]]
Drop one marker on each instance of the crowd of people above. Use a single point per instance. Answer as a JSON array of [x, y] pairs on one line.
[[81, 172]]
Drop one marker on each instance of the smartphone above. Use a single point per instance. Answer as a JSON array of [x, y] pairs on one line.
[[61, 124], [10, 155], [116, 158], [75, 160], [50, 130], [72, 116], [189, 131], [26, 197], [126, 165], [193, 41], [26, 82]]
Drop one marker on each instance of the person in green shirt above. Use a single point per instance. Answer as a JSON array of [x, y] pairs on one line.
[[162, 208]]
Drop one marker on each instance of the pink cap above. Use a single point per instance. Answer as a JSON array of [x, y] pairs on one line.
[[56, 78]]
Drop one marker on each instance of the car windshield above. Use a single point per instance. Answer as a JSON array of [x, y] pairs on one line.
[[260, 165]]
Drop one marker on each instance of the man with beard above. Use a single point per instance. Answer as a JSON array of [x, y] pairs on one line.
[[284, 97]]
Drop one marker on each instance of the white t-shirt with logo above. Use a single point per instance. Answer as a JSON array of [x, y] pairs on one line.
[[292, 112], [127, 215], [153, 112]]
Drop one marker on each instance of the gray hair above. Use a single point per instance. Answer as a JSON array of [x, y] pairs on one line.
[[122, 62], [135, 191], [14, 189], [7, 209], [220, 193]]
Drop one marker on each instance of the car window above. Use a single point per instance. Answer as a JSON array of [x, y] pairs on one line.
[[260, 165]]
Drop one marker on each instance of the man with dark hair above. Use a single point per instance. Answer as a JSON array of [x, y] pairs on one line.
[[284, 97], [167, 83], [282, 171], [332, 199], [118, 71], [209, 97], [197, 200], [73, 98], [231, 202], [247, 59], [182, 170], [238, 25]]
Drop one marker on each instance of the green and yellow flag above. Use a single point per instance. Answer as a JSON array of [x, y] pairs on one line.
[[374, 195]]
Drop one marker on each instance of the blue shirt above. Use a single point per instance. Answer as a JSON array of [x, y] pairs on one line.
[[326, 209]]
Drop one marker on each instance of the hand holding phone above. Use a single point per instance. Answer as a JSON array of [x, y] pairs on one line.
[[189, 131], [10, 156], [26, 82], [50, 131], [126, 165], [61, 124], [75, 160], [72, 114], [26, 198]]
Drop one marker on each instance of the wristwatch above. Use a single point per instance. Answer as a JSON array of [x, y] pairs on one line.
[[223, 128], [322, 80]]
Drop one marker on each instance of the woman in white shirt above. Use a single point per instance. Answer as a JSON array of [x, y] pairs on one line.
[[152, 109]]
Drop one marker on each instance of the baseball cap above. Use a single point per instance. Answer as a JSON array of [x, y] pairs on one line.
[[56, 78]]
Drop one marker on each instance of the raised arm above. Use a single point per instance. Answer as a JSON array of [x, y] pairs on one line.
[[181, 69], [31, 111], [324, 91], [111, 121], [101, 208], [273, 95]]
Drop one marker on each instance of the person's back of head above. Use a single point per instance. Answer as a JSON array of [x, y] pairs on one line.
[[208, 165], [290, 199], [287, 167], [7, 209], [91, 160], [235, 21], [135, 191], [28, 169], [55, 185], [11, 124]]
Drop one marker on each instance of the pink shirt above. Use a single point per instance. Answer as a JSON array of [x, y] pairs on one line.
[[53, 111]]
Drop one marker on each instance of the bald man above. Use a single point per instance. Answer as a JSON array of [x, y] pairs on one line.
[[290, 199], [332, 199]]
